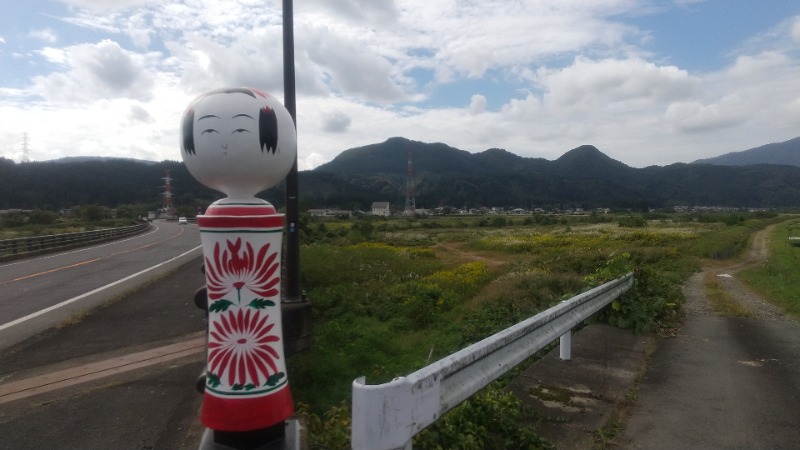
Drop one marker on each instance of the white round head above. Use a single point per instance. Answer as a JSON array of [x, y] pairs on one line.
[[239, 141]]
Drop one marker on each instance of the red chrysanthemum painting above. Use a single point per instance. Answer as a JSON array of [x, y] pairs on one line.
[[240, 351], [241, 268]]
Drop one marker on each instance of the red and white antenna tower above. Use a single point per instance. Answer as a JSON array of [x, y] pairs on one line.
[[167, 192], [411, 207]]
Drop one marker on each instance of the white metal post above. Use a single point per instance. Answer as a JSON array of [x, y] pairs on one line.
[[565, 346]]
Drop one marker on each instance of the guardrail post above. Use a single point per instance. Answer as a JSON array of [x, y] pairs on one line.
[[565, 346]]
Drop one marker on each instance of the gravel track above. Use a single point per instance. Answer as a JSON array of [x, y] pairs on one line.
[[722, 382], [693, 289]]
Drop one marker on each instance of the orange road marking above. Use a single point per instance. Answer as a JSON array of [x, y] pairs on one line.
[[89, 261]]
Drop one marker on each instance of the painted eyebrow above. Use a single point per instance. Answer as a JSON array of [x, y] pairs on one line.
[[207, 116], [243, 115]]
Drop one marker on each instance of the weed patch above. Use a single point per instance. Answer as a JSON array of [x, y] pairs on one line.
[[419, 290], [776, 279]]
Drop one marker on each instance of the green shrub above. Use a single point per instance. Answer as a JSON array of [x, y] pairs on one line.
[[633, 222], [491, 419]]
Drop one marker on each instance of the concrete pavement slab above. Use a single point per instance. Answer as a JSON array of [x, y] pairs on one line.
[[576, 398]]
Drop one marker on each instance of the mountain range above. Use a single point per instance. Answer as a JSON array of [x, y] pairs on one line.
[[787, 153], [582, 177], [442, 176]]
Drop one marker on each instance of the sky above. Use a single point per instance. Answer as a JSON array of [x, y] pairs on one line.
[[648, 82]]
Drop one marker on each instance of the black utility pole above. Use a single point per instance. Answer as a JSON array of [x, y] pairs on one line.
[[295, 309], [293, 293]]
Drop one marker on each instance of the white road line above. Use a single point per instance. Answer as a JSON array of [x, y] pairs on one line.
[[101, 288]]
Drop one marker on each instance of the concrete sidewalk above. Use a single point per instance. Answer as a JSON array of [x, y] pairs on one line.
[[576, 399]]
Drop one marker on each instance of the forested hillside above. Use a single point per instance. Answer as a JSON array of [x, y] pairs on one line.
[[443, 176]]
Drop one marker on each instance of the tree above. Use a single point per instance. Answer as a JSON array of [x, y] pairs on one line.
[[41, 217], [93, 213]]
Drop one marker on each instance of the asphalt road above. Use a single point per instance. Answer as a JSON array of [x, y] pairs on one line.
[[38, 293], [120, 377]]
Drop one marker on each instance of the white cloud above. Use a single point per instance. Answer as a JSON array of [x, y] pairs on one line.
[[252, 61], [589, 84], [104, 6], [469, 38], [748, 66], [102, 70], [693, 116], [477, 104], [795, 33], [369, 12], [139, 30], [336, 122], [311, 161], [45, 35], [54, 55], [139, 114], [566, 73], [351, 67]]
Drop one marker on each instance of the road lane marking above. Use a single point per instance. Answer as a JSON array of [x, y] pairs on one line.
[[52, 270], [76, 375], [92, 292]]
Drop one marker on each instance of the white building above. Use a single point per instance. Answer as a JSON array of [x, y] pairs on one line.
[[380, 209]]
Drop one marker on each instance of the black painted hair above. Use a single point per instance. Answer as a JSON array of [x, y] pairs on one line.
[[267, 124]]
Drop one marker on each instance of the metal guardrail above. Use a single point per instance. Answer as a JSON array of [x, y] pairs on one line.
[[387, 416], [10, 248]]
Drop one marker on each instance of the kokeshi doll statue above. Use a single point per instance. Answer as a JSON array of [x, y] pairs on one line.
[[241, 141]]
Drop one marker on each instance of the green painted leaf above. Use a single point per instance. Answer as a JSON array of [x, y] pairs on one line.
[[261, 303], [220, 305], [212, 380], [274, 379]]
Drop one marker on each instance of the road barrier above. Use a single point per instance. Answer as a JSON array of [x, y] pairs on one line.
[[28, 246], [387, 416]]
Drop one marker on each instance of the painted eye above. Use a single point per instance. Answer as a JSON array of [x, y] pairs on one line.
[[210, 130], [240, 130]]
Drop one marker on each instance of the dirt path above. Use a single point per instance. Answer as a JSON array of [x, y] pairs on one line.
[[722, 382], [724, 277], [454, 253]]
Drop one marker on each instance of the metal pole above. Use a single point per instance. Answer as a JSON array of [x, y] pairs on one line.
[[565, 346], [292, 291]]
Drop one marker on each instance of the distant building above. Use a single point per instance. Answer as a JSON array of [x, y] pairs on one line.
[[380, 209], [329, 213]]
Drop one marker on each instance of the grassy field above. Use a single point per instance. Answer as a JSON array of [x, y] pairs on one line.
[[778, 278], [393, 295]]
